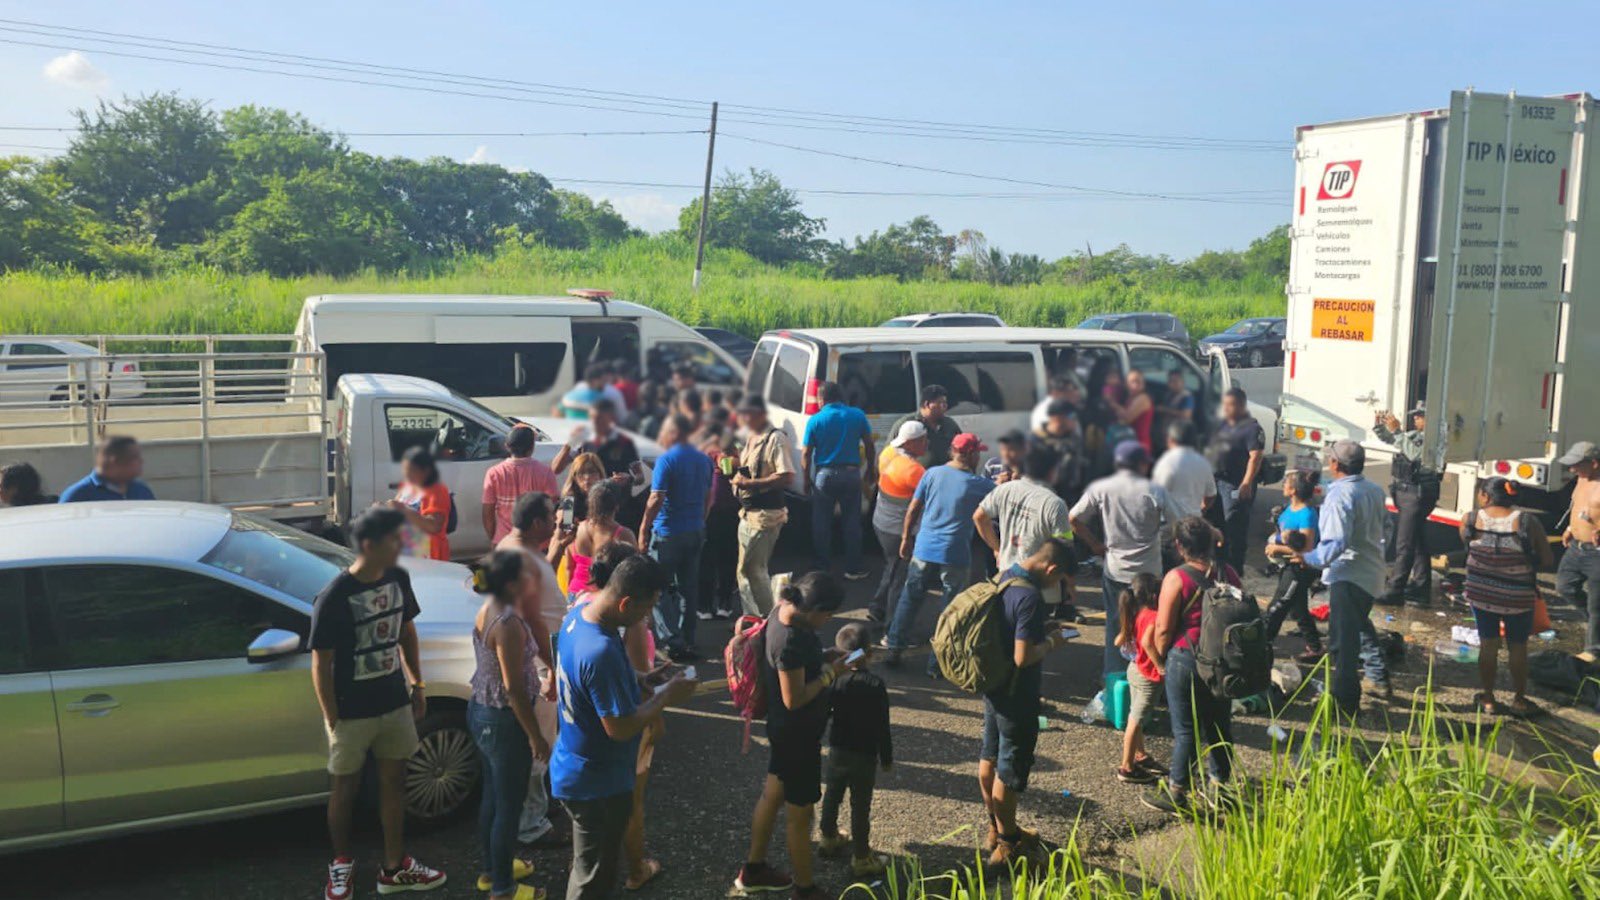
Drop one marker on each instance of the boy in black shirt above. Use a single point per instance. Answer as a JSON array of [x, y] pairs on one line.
[[858, 742]]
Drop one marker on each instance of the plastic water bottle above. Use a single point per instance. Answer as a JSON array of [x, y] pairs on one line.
[[1095, 710], [1461, 653]]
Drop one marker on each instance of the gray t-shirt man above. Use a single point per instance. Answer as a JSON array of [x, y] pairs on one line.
[[1132, 511]]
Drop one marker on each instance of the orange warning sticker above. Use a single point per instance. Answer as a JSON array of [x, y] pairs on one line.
[[1343, 320]]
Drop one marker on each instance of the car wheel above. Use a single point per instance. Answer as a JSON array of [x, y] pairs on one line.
[[443, 776], [1256, 359], [61, 394]]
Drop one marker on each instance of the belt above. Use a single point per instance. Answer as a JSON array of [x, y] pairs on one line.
[[836, 466], [1586, 545]]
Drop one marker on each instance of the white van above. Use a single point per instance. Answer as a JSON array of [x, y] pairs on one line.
[[994, 376], [516, 355]]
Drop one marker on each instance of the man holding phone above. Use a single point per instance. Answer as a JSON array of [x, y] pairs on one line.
[[764, 472]]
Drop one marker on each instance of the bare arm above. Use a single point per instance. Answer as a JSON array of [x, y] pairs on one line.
[[909, 527], [797, 691], [564, 458], [488, 520], [411, 655], [1169, 613], [806, 454], [1089, 537], [322, 683], [624, 728], [651, 507], [986, 529], [1025, 654]]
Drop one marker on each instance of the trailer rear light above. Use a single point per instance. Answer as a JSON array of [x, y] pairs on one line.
[[1502, 468], [813, 398], [1316, 437], [1299, 434], [1524, 471]]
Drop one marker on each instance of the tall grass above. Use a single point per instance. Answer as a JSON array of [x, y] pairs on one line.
[[738, 293], [1422, 814]]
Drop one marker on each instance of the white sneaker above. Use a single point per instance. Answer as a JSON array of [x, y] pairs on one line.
[[411, 876], [339, 872]]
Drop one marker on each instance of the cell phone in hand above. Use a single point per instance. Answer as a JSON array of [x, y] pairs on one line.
[[569, 515], [855, 657]]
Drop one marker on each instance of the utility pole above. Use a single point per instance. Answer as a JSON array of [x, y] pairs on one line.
[[705, 199]]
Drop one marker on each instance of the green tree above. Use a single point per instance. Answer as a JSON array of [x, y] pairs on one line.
[[445, 207], [917, 249], [757, 214], [40, 225], [585, 223], [133, 161], [330, 220]]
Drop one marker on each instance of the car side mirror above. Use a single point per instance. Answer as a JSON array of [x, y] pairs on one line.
[[274, 643]]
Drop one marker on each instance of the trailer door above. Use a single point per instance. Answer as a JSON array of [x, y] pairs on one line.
[[1498, 292]]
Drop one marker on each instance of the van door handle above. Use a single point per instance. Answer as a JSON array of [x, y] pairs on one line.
[[95, 704], [394, 485]]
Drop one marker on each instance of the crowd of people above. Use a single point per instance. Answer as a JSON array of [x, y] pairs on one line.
[[595, 586]]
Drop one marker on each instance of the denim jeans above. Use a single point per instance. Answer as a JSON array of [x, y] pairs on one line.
[[1197, 716], [506, 760], [1111, 589], [1578, 582], [919, 575], [1353, 644], [893, 580], [679, 554], [836, 486]]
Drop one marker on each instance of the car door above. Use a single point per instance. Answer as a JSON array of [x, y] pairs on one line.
[[30, 774], [160, 712], [465, 450]]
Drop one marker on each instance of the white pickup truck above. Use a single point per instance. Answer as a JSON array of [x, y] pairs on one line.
[[231, 424]]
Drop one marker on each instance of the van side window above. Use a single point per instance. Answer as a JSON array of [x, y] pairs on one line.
[[787, 389], [707, 368], [1156, 363], [760, 364], [878, 383], [608, 340], [477, 370], [450, 438], [982, 382]]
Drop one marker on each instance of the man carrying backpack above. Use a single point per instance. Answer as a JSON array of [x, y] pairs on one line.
[[1011, 710]]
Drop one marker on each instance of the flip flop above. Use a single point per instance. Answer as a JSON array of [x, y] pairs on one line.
[[1524, 708], [1488, 706], [652, 867]]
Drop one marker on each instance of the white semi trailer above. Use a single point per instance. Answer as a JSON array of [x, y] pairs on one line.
[[1451, 258]]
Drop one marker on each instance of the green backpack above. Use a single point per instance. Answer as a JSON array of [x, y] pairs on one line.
[[968, 642]]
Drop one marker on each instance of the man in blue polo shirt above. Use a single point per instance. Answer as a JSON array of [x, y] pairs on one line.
[[674, 530], [838, 441], [118, 463]]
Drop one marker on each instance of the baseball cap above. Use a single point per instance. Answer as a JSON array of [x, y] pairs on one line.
[[1348, 453], [1014, 438], [910, 431], [1579, 452], [1418, 410], [1131, 453], [752, 403], [966, 442]]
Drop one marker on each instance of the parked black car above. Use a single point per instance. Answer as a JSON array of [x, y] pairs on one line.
[[1157, 325], [1251, 343], [737, 345]]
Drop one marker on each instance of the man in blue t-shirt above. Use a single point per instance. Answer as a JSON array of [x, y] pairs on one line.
[[578, 402], [1011, 713], [118, 463], [937, 538], [837, 446], [603, 711], [675, 515]]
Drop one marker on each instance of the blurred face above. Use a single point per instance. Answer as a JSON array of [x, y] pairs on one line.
[[588, 478], [1419, 423], [916, 447], [753, 422], [637, 609], [540, 530], [1175, 384], [8, 495], [682, 380], [1136, 382], [1232, 408], [1073, 393], [383, 552], [669, 434], [1586, 469], [1062, 424], [970, 459], [414, 474], [602, 421], [122, 469], [1011, 454], [1113, 378], [936, 408]]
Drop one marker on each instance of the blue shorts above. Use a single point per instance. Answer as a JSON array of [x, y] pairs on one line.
[[1010, 734], [1518, 625]]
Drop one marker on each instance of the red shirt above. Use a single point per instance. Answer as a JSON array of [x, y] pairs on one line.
[[1190, 603], [1142, 624]]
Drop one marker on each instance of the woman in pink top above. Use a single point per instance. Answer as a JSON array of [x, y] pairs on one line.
[[510, 479], [1134, 407], [596, 532]]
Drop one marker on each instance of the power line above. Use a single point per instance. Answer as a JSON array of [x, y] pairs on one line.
[[72, 129]]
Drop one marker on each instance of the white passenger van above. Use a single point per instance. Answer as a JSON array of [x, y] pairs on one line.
[[994, 376], [516, 355]]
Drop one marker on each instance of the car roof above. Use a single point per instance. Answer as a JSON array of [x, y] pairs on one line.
[[836, 337], [72, 347], [474, 304], [383, 383], [111, 529]]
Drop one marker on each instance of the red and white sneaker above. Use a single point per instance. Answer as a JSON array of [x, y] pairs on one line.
[[411, 876], [339, 872]]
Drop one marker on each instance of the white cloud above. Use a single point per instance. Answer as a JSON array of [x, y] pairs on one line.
[[652, 212], [479, 156], [76, 71]]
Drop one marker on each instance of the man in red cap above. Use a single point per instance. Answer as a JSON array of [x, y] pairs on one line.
[[937, 537]]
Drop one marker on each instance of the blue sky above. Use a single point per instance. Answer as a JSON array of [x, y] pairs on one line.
[[1215, 70]]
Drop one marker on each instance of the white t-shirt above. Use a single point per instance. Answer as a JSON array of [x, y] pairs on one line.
[[1187, 477]]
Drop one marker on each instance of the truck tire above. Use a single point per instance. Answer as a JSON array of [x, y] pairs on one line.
[[444, 775]]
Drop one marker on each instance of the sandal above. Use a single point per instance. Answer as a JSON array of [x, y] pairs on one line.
[[1523, 708], [1487, 705], [652, 869]]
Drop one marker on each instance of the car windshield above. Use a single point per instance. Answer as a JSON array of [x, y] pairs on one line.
[[1249, 327], [485, 412], [1097, 322], [278, 556]]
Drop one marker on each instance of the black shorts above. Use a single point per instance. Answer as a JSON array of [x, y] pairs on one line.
[[797, 761], [1010, 734]]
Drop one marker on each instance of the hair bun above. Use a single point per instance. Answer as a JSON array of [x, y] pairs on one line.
[[480, 580]]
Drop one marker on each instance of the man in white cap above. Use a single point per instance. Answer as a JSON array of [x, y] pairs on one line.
[[1349, 552], [1578, 577], [899, 472]]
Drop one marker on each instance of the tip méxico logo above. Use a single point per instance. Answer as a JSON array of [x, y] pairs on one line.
[[1339, 180]]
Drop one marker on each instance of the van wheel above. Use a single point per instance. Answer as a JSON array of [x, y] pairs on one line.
[[60, 395], [1257, 359], [443, 776]]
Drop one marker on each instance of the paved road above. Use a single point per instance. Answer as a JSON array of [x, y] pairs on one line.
[[703, 791]]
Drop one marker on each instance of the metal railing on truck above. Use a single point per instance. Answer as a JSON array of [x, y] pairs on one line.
[[227, 395]]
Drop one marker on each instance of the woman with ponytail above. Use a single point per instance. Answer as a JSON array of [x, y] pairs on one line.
[[500, 716]]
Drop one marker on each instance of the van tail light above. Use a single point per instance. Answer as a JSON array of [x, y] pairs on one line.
[[129, 368], [1502, 468], [813, 401]]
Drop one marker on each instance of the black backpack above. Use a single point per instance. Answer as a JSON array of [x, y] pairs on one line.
[[1234, 656]]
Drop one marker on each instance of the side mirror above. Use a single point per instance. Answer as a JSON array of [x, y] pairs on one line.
[[274, 643]]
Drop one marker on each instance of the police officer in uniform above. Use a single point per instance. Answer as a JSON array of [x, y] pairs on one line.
[[1415, 489]]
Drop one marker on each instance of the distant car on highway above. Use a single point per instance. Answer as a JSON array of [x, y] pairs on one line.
[[1251, 343], [737, 345], [946, 320], [39, 369], [1162, 326], [154, 671]]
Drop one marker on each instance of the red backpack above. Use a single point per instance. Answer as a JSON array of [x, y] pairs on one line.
[[742, 659]]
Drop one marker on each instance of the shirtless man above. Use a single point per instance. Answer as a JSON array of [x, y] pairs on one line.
[[1578, 578], [534, 531]]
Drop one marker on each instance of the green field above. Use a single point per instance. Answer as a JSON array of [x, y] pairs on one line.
[[738, 293]]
